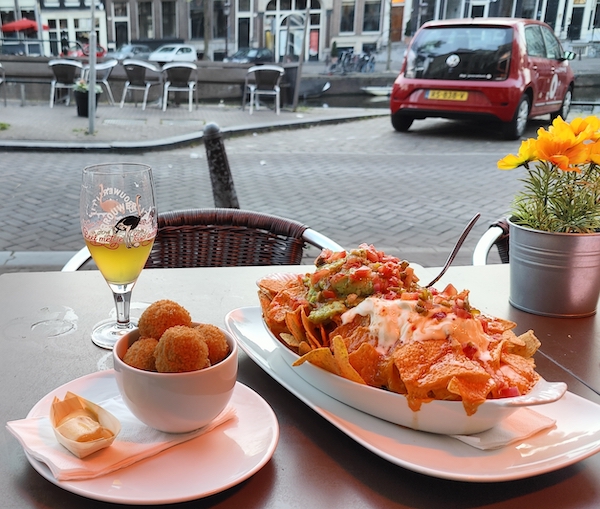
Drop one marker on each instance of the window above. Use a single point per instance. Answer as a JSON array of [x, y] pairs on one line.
[[372, 16], [484, 53], [169, 20], [145, 20], [244, 6], [553, 48], [219, 20], [535, 42], [347, 18], [120, 9], [197, 19], [528, 9]]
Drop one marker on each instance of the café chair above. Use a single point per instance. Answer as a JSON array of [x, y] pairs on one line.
[[496, 235], [3, 82], [179, 77], [66, 73], [136, 71], [103, 72], [263, 80], [222, 237]]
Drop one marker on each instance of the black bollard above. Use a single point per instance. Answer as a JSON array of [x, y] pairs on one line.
[[220, 174]]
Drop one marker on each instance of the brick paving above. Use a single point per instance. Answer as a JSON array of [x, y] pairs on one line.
[[345, 174]]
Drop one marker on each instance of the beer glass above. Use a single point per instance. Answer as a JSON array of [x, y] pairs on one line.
[[119, 222]]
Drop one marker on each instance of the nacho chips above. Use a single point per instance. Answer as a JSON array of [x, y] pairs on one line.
[[362, 315]]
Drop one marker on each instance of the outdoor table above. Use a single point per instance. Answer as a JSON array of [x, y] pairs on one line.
[[45, 325]]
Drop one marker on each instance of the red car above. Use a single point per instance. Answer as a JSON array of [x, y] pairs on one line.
[[496, 68], [84, 51]]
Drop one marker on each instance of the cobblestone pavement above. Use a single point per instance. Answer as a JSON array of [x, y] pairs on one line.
[[409, 194]]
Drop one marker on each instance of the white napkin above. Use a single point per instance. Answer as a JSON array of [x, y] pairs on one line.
[[135, 442], [520, 425]]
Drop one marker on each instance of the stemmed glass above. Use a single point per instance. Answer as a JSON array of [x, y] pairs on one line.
[[119, 223]]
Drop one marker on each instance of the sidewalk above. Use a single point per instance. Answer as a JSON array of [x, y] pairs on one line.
[[36, 126]]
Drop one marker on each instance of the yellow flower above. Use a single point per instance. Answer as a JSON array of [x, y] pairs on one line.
[[594, 154], [527, 153], [588, 127], [561, 146]]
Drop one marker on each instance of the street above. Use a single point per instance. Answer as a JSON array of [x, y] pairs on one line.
[[409, 194]]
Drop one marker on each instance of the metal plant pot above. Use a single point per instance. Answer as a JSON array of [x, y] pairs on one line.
[[554, 274]]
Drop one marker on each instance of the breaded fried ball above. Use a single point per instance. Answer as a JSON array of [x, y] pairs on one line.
[[215, 340], [181, 349], [161, 315], [141, 354]]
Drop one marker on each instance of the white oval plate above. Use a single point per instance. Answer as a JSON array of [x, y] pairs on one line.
[[445, 417], [195, 469], [575, 436]]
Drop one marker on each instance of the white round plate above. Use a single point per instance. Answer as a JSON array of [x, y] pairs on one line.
[[195, 469]]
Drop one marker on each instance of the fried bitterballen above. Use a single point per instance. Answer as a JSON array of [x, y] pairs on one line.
[[181, 349], [215, 340], [160, 316], [141, 354]]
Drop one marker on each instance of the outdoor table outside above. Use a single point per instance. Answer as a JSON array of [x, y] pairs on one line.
[[45, 338]]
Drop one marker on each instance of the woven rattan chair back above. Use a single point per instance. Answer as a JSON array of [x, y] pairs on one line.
[[225, 238], [136, 74]]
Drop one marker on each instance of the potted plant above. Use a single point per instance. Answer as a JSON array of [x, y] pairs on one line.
[[554, 239], [81, 91]]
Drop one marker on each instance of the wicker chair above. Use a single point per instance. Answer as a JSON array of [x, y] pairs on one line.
[[224, 238], [179, 77], [137, 72], [66, 73], [496, 235], [266, 79]]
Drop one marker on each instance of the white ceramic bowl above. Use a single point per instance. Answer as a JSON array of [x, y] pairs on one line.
[[444, 417], [175, 402]]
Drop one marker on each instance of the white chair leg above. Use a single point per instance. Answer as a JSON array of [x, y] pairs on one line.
[[277, 102], [165, 97], [111, 98], [190, 92], [145, 96], [52, 92], [124, 94], [251, 100]]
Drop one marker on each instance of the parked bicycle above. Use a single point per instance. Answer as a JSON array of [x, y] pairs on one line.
[[348, 62]]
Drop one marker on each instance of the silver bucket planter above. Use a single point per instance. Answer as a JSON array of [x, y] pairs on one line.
[[554, 274]]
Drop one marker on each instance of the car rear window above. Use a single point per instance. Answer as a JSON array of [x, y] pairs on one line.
[[460, 53]]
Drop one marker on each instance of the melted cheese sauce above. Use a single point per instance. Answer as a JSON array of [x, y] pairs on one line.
[[396, 321]]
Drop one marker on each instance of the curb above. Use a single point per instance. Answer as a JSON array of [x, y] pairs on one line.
[[180, 140]]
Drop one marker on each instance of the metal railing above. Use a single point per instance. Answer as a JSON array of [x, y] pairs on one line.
[[36, 47]]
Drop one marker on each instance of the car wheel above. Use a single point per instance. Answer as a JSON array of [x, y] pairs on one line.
[[565, 106], [516, 127], [402, 123]]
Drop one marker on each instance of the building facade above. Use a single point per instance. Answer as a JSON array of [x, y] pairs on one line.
[[363, 25], [60, 23], [572, 20]]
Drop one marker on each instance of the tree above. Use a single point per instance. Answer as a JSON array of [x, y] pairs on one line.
[[208, 17]]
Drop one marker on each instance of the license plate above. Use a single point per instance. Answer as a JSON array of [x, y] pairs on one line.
[[447, 95]]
